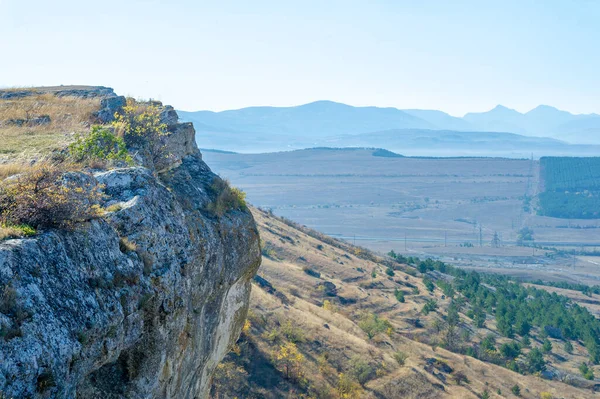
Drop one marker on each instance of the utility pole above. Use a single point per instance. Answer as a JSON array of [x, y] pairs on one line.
[[405, 241], [480, 237], [445, 238]]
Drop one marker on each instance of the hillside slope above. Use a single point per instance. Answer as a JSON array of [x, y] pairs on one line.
[[324, 295]]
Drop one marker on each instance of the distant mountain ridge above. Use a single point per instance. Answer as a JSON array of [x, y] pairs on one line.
[[321, 119]]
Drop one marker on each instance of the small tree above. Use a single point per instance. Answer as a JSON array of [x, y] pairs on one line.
[[535, 361], [372, 325], [289, 360], [525, 236], [547, 346], [568, 347], [141, 127], [399, 295], [516, 390], [430, 306]]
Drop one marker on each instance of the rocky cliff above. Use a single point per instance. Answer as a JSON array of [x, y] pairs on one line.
[[142, 303]]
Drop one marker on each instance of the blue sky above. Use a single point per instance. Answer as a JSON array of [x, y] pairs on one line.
[[457, 56]]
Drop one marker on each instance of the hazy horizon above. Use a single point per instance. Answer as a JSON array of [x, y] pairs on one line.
[[456, 57], [401, 109]]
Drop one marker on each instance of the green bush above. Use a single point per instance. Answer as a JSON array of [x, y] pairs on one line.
[[101, 144], [399, 295], [372, 325], [227, 198], [430, 306]]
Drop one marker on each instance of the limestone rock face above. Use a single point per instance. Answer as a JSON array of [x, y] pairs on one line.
[[143, 303]]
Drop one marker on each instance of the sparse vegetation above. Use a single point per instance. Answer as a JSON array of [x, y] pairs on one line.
[[227, 198], [33, 126], [47, 196], [141, 128]]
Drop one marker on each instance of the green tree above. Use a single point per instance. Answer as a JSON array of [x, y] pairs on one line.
[[568, 347], [547, 346], [430, 306], [516, 390], [535, 361], [399, 295], [510, 350], [525, 236], [429, 284]]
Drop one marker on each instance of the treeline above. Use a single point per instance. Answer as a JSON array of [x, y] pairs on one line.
[[570, 173], [572, 187], [516, 308], [585, 289], [570, 205]]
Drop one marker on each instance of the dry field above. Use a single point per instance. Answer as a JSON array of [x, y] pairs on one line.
[[417, 206]]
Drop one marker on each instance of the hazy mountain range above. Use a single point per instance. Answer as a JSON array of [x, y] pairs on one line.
[[327, 122]]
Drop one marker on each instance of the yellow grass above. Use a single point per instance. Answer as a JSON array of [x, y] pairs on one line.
[[67, 114], [11, 169]]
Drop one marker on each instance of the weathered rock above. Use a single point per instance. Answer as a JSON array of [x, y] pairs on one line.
[[108, 107], [143, 303]]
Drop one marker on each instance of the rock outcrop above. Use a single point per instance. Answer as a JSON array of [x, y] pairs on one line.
[[142, 303]]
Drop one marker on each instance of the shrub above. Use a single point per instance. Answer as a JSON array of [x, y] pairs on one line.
[[347, 387], [389, 271], [535, 361], [460, 377], [516, 390], [327, 305], [361, 370], [547, 346], [399, 295], [429, 284], [100, 144], [400, 357], [140, 126], [568, 347], [227, 198], [372, 325], [293, 333], [45, 381], [586, 372], [125, 245], [48, 197], [545, 395], [311, 272], [18, 231], [430, 306]]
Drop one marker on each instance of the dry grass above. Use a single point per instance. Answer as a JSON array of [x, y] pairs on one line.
[[333, 339], [22, 137], [11, 169]]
